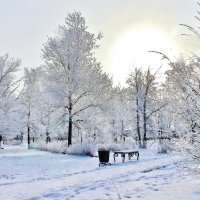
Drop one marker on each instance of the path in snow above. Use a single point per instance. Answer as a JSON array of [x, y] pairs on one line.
[[36, 175]]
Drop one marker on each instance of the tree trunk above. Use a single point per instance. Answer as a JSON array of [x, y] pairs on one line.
[[70, 131], [122, 134], [138, 123], [28, 128], [160, 139], [70, 121], [28, 132], [144, 125], [81, 138]]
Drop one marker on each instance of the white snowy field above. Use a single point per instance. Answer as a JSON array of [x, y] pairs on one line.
[[36, 175]]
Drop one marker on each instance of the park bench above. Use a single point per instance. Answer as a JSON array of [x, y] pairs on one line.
[[130, 154]]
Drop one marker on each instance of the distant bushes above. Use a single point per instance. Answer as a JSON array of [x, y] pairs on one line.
[[82, 149], [91, 148], [163, 146], [13, 142], [54, 146]]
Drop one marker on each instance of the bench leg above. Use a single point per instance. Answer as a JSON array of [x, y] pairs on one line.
[[137, 155], [129, 156], [114, 157], [123, 157]]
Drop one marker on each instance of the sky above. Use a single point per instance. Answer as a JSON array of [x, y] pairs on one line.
[[130, 27]]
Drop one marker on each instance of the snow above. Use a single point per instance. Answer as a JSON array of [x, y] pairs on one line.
[[37, 175]]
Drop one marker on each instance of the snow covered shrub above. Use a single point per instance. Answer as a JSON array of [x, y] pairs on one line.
[[54, 146], [160, 146], [190, 150], [83, 149], [13, 142]]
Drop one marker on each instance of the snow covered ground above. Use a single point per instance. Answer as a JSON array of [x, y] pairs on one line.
[[36, 175]]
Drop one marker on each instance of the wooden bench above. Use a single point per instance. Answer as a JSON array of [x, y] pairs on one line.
[[124, 152]]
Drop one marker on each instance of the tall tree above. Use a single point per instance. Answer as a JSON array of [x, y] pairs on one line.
[[183, 82], [30, 101], [135, 84], [8, 91], [143, 89], [74, 78]]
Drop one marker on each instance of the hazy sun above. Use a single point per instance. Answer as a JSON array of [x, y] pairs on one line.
[[132, 50]]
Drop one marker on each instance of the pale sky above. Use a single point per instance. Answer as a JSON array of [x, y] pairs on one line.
[[25, 25]]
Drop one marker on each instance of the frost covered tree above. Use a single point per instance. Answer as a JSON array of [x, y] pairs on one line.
[[143, 89], [74, 79], [135, 87], [119, 114], [183, 85], [9, 85], [30, 101]]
